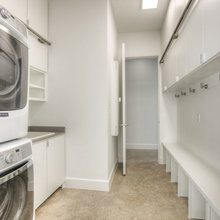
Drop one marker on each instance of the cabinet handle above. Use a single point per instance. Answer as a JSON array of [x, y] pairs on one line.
[[47, 143]]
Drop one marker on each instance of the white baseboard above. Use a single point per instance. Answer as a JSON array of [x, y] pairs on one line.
[[91, 184], [139, 146]]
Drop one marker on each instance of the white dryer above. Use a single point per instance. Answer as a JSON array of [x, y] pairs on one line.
[[14, 71]]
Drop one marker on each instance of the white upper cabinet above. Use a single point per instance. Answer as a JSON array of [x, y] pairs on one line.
[[211, 26], [38, 20], [38, 53], [38, 16], [17, 8], [197, 42], [195, 36], [169, 24], [40, 172], [174, 12], [181, 55]]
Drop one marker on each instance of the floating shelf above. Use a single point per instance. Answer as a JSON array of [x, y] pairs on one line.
[[207, 69], [36, 99], [36, 86]]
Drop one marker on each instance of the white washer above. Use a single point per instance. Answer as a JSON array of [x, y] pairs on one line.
[[16, 180], [14, 72]]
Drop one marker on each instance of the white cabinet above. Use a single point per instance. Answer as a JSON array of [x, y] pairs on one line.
[[35, 14], [195, 36], [38, 16], [17, 8], [198, 43], [168, 26], [174, 12], [38, 20], [40, 172], [211, 26], [55, 163], [181, 55], [37, 85], [38, 53], [169, 69], [49, 164]]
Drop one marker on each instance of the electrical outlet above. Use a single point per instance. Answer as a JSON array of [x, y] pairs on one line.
[[198, 118]]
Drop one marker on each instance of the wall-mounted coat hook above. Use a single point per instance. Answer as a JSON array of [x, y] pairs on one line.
[[183, 93], [192, 90], [177, 95], [204, 86]]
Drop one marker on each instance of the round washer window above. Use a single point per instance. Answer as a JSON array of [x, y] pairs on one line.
[[12, 198]]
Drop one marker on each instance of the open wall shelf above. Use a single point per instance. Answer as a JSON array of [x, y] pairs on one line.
[[37, 85]]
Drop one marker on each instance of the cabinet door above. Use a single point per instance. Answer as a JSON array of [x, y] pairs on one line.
[[40, 173], [38, 16], [55, 152], [212, 26], [38, 53], [195, 36], [169, 24], [181, 55], [38, 20], [17, 8]]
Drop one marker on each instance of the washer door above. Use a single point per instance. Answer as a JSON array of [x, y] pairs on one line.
[[16, 197], [13, 72]]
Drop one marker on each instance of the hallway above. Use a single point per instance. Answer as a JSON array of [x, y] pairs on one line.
[[144, 194]]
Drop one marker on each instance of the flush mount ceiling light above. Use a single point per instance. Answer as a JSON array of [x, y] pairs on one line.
[[149, 4]]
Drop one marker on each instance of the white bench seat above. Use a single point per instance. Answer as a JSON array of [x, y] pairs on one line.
[[205, 178]]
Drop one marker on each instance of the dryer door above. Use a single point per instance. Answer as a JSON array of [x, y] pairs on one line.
[[13, 72]]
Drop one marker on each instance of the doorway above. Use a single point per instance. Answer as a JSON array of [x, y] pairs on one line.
[[142, 109]]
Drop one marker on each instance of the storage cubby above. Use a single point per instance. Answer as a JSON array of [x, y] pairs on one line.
[[37, 85]]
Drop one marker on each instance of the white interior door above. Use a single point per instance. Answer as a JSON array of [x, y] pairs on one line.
[[123, 110]]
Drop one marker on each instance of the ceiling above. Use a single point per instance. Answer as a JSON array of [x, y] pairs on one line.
[[130, 18]]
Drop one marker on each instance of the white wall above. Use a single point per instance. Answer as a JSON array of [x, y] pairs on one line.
[[79, 89], [201, 138], [112, 55], [141, 44], [142, 103]]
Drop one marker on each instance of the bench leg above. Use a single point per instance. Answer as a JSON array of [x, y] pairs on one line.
[[196, 203], [174, 171], [168, 162], [183, 183]]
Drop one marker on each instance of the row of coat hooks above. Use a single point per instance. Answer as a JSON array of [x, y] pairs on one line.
[[191, 90]]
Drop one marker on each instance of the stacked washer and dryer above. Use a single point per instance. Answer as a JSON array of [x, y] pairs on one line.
[[16, 166]]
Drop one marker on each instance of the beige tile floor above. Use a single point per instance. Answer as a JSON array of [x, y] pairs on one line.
[[145, 193]]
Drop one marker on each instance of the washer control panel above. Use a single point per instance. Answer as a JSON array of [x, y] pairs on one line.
[[12, 156]]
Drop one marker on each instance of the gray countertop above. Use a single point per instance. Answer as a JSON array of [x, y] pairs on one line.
[[41, 133]]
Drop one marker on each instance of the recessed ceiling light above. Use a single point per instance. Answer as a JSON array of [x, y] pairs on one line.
[[149, 4]]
